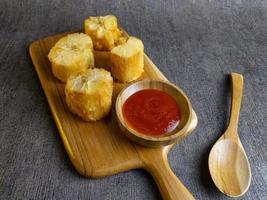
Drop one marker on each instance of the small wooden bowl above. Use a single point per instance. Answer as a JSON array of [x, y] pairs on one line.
[[165, 139]]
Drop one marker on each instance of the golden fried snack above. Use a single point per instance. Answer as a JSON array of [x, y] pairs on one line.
[[103, 30], [71, 54], [102, 58], [89, 94], [127, 60], [121, 40]]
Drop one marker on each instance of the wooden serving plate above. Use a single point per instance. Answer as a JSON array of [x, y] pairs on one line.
[[99, 149]]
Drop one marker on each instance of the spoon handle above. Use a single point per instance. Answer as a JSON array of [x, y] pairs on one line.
[[237, 90]]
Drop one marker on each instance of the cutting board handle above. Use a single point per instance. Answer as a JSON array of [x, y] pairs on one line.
[[171, 188]]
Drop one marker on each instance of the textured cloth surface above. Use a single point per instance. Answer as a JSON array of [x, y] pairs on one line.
[[195, 43]]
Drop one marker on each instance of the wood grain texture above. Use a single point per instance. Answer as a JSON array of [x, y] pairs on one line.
[[99, 149], [228, 162], [194, 43]]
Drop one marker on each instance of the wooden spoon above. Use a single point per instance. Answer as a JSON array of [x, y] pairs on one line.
[[228, 163]]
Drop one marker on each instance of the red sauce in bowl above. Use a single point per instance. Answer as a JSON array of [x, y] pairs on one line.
[[151, 112]]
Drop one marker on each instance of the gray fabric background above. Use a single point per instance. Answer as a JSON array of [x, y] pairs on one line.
[[195, 43]]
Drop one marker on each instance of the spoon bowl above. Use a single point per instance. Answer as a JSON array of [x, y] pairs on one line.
[[228, 163], [228, 158]]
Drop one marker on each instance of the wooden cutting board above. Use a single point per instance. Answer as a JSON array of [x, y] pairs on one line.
[[100, 149]]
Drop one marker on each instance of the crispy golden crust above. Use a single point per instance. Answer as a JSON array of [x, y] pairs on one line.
[[121, 40], [102, 58], [71, 54], [127, 69], [103, 30], [89, 94], [127, 60]]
